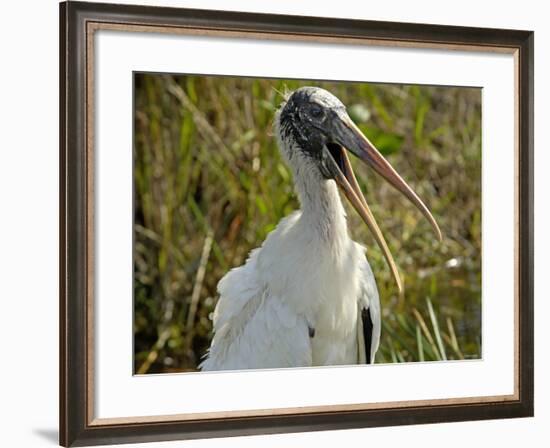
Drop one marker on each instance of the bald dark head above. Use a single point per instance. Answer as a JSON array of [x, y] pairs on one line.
[[305, 118]]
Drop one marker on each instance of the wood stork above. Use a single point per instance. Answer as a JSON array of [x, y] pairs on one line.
[[307, 296]]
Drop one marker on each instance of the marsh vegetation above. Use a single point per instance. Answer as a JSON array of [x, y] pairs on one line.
[[210, 185]]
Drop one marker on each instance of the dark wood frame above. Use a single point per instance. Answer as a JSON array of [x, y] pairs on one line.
[[77, 22]]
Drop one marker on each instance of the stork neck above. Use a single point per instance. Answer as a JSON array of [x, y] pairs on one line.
[[322, 209]]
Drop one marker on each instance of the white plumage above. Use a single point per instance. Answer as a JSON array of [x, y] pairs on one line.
[[301, 298], [297, 301]]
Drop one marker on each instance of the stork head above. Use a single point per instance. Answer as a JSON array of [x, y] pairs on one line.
[[315, 123]]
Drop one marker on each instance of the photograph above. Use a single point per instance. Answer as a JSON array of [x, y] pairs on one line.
[[289, 223]]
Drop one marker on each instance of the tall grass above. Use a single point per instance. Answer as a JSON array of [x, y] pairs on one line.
[[210, 185]]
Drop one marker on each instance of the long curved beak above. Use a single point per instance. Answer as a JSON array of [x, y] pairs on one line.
[[347, 135]]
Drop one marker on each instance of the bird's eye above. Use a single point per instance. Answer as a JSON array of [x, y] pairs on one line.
[[316, 111]]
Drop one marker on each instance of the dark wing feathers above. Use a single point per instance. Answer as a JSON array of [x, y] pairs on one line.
[[368, 327]]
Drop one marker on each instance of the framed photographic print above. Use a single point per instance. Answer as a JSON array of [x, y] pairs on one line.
[[277, 223]]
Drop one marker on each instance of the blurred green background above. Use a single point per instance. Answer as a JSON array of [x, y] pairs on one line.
[[210, 185]]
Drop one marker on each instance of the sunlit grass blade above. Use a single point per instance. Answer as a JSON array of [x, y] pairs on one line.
[[452, 341], [437, 332], [419, 344], [427, 334]]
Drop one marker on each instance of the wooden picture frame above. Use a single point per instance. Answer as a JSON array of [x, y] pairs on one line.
[[78, 22]]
